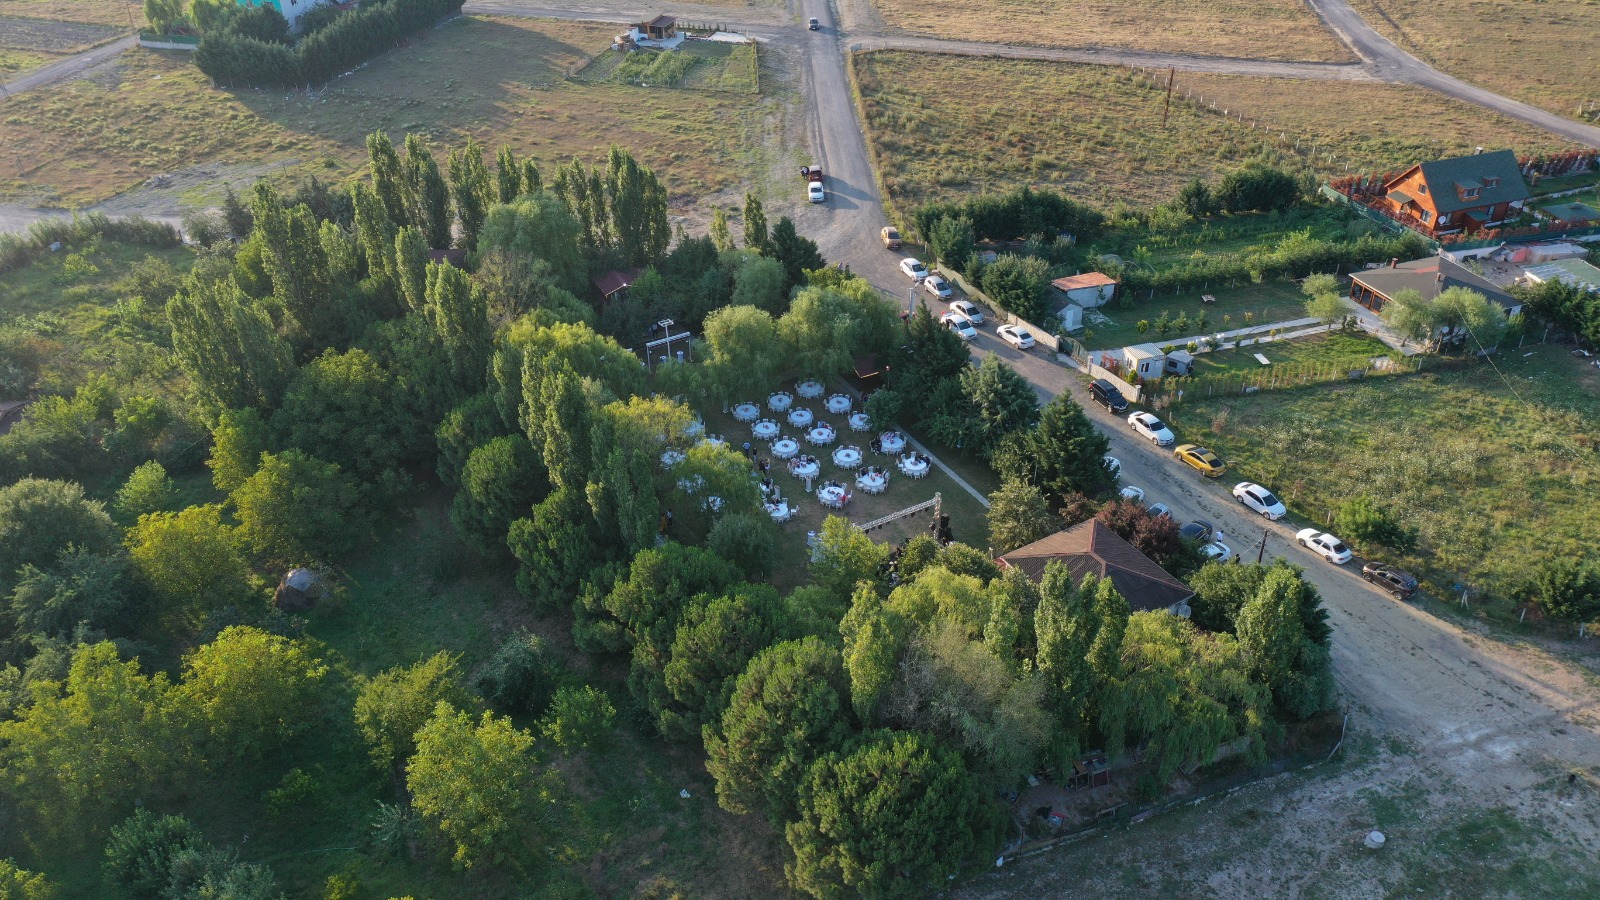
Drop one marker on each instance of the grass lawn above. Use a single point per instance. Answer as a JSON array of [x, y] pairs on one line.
[[499, 80], [12, 61], [1496, 472], [1266, 29], [1328, 350], [1544, 51], [1271, 301], [943, 126], [1559, 183]]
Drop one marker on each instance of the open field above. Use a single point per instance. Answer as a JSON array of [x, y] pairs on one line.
[[152, 113], [1495, 465], [27, 43], [1544, 50], [940, 126], [125, 14], [697, 65], [1264, 29]]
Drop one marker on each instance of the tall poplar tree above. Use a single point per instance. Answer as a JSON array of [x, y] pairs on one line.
[[755, 224], [721, 237], [376, 231], [532, 183], [388, 177], [469, 183], [428, 194], [460, 323], [508, 176], [411, 266]]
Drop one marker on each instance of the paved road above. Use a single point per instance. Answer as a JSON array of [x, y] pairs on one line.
[[1389, 63], [72, 65]]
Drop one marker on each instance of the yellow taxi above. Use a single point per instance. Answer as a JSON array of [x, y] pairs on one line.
[[1201, 459]]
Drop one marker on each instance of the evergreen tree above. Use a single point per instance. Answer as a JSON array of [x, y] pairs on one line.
[[1002, 400], [532, 183], [427, 193], [470, 186], [798, 255], [508, 175], [1068, 453], [236, 215], [1018, 516], [755, 224], [389, 179]]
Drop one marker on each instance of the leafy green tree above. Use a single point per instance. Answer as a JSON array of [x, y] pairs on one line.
[[237, 442], [148, 489], [1018, 516], [755, 224], [1480, 321], [1080, 631], [520, 676], [1195, 199], [579, 719], [1570, 307], [389, 178], [460, 319], [297, 509], [251, 691], [951, 242], [790, 706], [532, 181], [140, 853], [80, 589], [190, 561], [798, 254], [622, 498], [376, 231], [874, 639], [500, 480], [659, 583], [427, 193], [298, 264], [227, 346], [20, 884], [1364, 523], [1221, 591], [343, 407], [637, 203], [477, 784], [748, 540], [555, 546], [538, 226], [201, 873], [411, 267], [163, 14], [721, 236], [1018, 284], [508, 175], [743, 350], [1257, 187], [39, 519], [1284, 638], [471, 189], [892, 817], [393, 705], [843, 558], [1003, 401], [1068, 453], [83, 749], [1565, 589], [760, 282]]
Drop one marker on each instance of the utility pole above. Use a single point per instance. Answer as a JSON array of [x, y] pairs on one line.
[[1261, 553]]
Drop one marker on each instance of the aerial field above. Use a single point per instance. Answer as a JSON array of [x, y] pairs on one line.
[[125, 14], [1254, 29], [499, 80], [941, 126], [1544, 52]]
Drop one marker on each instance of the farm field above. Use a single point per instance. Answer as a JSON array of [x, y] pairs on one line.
[[1544, 49], [1495, 465], [1264, 29], [152, 113], [941, 126], [125, 14], [27, 42]]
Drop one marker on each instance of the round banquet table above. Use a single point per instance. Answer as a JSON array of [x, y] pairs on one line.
[[766, 429], [821, 435], [785, 448], [892, 441], [860, 422], [810, 389], [780, 402], [747, 412], [800, 418], [838, 404], [847, 457]]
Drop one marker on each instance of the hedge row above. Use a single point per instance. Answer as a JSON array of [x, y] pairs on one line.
[[1296, 256], [1020, 214]]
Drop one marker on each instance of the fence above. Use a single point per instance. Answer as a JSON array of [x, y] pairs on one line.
[[168, 41], [1043, 336]]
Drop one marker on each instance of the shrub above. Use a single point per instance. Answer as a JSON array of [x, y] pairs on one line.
[[518, 678]]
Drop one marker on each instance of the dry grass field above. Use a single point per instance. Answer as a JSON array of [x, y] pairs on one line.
[[500, 80], [125, 14], [1265, 29], [946, 125], [1544, 52], [34, 33]]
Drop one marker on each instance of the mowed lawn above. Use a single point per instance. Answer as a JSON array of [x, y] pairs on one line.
[[1264, 29], [1546, 52], [941, 126], [1495, 465], [500, 80]]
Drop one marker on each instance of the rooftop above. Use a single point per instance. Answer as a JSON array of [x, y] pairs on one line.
[[1575, 272], [608, 283], [1430, 277], [1573, 212], [1496, 177], [1092, 548], [1086, 280]]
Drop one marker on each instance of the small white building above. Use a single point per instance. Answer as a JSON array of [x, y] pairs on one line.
[[1147, 361], [1089, 289], [292, 9], [1071, 317]]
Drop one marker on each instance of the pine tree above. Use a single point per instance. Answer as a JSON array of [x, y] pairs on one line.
[[755, 224], [798, 255], [428, 194], [236, 215], [1069, 453], [388, 178], [469, 179], [508, 176], [721, 237]]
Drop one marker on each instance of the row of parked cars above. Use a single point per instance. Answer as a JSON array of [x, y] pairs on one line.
[[1252, 496], [963, 316]]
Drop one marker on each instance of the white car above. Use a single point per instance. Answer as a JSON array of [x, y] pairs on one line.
[[913, 268], [966, 308], [938, 287], [1159, 510], [1112, 464], [959, 324], [1217, 551], [1151, 427], [815, 192], [1016, 336], [1259, 499], [1324, 545], [1134, 493]]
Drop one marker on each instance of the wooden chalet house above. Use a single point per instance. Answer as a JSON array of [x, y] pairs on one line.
[[1458, 195]]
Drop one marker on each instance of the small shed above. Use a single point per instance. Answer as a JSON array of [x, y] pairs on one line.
[[298, 591], [661, 28], [1180, 362], [1071, 317], [1145, 360], [613, 284], [1088, 289], [1572, 215]]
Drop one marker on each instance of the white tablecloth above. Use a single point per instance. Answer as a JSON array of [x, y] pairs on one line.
[[838, 404], [810, 390], [913, 467], [892, 441], [800, 418], [806, 470], [766, 429], [780, 401], [785, 448], [860, 422], [833, 495], [821, 435], [873, 482], [847, 457], [747, 412], [778, 511]]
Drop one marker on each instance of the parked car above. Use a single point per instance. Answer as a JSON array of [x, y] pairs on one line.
[[959, 324], [969, 309], [1159, 510], [1106, 394], [1112, 464], [813, 24], [1324, 545], [938, 287], [1016, 336], [891, 237], [1148, 425], [1134, 493], [1198, 530], [1259, 499], [1400, 583], [1217, 551], [1200, 459], [815, 192], [913, 268]]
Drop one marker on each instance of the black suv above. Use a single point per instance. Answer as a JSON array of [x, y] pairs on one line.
[[1106, 394], [1401, 584]]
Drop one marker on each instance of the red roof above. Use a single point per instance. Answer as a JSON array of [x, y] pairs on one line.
[[1086, 280], [1093, 548], [609, 283]]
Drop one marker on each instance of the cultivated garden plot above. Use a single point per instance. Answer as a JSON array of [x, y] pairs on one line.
[[1261, 29], [150, 113], [939, 126]]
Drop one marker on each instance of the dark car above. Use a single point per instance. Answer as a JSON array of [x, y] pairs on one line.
[[1401, 584], [1106, 394], [1199, 530]]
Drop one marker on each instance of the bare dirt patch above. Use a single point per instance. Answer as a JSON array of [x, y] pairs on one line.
[[1254, 29]]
